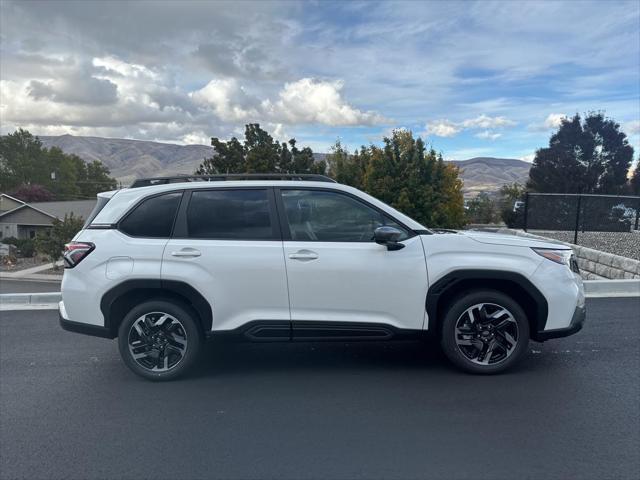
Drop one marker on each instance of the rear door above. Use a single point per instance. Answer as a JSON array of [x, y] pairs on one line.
[[337, 273], [228, 246]]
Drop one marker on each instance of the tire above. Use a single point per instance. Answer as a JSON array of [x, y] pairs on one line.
[[484, 332], [160, 340]]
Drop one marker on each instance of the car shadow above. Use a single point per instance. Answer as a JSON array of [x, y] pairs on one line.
[[224, 358]]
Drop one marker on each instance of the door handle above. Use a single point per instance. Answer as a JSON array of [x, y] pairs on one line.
[[186, 252], [303, 255]]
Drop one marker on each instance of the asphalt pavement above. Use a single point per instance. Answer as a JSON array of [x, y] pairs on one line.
[[571, 410], [27, 286]]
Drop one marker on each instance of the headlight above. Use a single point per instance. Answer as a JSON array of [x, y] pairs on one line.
[[563, 257]]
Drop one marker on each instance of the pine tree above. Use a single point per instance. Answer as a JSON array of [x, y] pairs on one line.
[[590, 156]]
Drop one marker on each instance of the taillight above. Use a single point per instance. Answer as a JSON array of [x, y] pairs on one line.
[[75, 252]]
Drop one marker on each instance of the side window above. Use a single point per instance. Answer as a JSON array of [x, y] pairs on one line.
[[229, 215], [316, 215], [153, 218]]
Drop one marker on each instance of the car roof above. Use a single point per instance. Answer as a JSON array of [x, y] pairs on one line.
[[122, 200]]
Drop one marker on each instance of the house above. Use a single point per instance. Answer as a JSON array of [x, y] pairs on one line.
[[24, 220]]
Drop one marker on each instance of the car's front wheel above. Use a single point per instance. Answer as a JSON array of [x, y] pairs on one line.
[[159, 340], [485, 332]]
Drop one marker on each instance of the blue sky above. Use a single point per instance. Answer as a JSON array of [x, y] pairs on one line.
[[473, 78]]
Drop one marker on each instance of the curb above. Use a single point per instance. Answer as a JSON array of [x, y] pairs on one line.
[[611, 288], [37, 301], [30, 301]]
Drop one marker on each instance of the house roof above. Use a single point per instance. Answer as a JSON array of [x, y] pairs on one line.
[[11, 198], [79, 208], [7, 202], [24, 206], [26, 215]]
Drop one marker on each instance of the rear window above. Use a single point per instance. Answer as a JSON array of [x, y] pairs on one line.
[[102, 201], [229, 215], [153, 218]]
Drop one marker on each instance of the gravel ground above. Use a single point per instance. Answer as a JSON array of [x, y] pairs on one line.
[[22, 263], [626, 244]]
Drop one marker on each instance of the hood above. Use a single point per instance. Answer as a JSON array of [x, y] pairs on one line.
[[513, 240]]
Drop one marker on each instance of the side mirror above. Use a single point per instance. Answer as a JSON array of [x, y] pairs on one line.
[[389, 237]]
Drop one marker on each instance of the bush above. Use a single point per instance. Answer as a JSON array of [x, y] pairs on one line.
[[482, 209], [52, 242], [26, 246]]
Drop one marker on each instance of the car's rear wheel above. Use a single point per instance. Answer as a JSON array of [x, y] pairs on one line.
[[159, 340], [485, 332]]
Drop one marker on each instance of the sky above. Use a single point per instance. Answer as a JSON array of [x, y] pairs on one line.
[[472, 78]]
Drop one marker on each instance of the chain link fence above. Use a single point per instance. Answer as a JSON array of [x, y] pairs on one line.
[[607, 222]]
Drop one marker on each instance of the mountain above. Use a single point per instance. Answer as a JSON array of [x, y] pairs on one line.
[[130, 159], [488, 174]]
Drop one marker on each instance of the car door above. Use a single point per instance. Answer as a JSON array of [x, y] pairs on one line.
[[337, 273], [227, 245]]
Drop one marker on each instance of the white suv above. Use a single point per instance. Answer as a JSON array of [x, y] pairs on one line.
[[170, 262]]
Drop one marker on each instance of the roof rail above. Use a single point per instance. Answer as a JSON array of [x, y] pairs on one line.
[[310, 177]]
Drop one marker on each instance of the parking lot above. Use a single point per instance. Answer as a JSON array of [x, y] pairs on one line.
[[70, 409]]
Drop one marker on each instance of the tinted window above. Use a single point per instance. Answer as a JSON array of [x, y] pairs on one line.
[[100, 204], [332, 217], [229, 214], [153, 217]]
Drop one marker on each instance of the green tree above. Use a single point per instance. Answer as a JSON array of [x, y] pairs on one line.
[[259, 153], [93, 177], [64, 174], [634, 181], [405, 175], [345, 168], [482, 209], [590, 156], [509, 195], [51, 243], [22, 161], [25, 162]]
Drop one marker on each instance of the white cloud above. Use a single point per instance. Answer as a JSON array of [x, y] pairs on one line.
[[632, 128], [485, 121], [446, 128], [488, 135], [195, 138], [314, 101], [228, 99], [442, 128], [307, 101], [554, 120], [113, 64], [528, 158]]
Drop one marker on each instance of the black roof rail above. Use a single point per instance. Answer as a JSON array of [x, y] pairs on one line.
[[310, 177]]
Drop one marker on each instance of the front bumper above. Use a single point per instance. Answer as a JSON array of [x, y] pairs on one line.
[[577, 321], [78, 327]]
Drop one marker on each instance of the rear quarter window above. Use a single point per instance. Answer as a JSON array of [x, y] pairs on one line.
[[153, 218], [100, 204]]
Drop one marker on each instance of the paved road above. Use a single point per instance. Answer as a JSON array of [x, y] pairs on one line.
[[26, 286], [70, 409]]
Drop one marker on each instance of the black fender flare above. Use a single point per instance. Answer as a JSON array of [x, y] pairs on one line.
[[176, 288], [455, 280]]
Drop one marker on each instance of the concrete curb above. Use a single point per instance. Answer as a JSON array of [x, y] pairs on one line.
[[612, 288], [29, 301], [49, 300]]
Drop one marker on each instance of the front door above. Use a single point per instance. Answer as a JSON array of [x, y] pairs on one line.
[[337, 273]]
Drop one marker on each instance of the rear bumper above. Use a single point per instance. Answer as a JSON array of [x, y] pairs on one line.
[[577, 321], [78, 327]]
